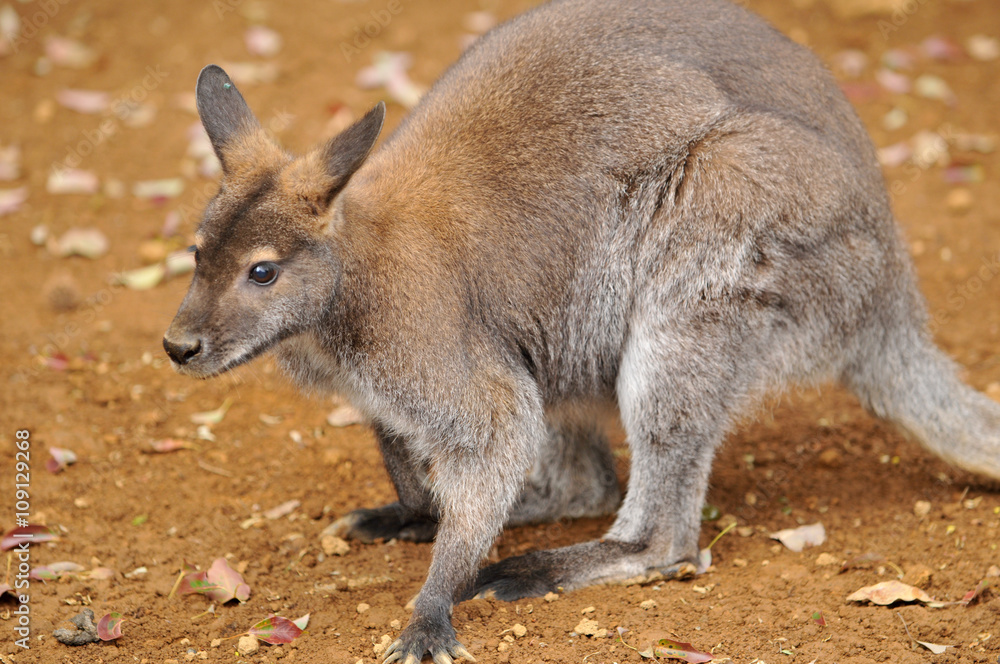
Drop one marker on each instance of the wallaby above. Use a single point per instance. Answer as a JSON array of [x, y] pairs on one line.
[[662, 204]]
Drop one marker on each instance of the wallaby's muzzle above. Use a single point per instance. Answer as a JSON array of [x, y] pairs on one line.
[[181, 348]]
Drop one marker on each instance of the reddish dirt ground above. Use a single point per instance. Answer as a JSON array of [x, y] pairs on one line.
[[812, 456]]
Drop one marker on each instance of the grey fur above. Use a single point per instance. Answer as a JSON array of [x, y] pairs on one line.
[[663, 204]]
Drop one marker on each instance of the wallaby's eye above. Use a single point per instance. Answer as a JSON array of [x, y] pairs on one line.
[[264, 274]]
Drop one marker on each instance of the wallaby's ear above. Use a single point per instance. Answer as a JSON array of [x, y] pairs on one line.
[[344, 153], [223, 111]]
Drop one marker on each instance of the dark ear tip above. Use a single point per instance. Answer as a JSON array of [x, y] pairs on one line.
[[212, 73]]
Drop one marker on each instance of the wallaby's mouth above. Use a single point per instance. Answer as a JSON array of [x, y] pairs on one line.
[[201, 360]]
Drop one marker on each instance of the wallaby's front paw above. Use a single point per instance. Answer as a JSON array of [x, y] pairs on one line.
[[425, 635], [388, 522]]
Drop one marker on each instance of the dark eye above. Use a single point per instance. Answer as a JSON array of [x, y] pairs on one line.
[[264, 274]]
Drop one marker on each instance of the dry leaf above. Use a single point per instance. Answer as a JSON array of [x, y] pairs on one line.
[[796, 539]]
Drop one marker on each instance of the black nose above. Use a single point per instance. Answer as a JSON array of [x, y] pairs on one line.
[[182, 350]]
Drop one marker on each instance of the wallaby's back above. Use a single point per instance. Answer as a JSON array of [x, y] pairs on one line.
[[536, 165]]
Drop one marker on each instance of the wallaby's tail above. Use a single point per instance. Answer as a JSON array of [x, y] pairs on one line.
[[902, 377]]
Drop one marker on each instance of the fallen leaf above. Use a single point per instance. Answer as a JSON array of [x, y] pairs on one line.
[[12, 199], [262, 41], [682, 651], [983, 48], [275, 630], [893, 81], [818, 618], [142, 278], [212, 416], [940, 48], [934, 647], [889, 592], [179, 262], [67, 52], [974, 593], [171, 445], [158, 189], [10, 27], [71, 181], [84, 101], [934, 87], [10, 162], [54, 571], [87, 242], [895, 154], [389, 71], [302, 622], [7, 588], [60, 459], [32, 533], [284, 509], [796, 539], [221, 583], [109, 627]]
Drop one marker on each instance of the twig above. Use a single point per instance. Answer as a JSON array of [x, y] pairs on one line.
[[913, 641]]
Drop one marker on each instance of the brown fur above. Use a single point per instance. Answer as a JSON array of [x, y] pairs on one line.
[[660, 204]]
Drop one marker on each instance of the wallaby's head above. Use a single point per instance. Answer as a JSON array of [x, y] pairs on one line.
[[266, 248]]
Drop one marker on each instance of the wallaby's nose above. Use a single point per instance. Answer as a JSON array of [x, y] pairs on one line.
[[182, 350]]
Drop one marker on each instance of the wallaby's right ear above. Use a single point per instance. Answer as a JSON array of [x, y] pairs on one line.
[[223, 111]]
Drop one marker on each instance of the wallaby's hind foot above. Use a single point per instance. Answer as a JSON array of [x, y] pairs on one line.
[[539, 572], [392, 521]]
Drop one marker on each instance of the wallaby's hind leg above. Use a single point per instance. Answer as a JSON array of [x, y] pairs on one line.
[[413, 517], [573, 476], [677, 391]]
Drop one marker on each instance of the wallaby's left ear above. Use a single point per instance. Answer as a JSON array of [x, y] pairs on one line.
[[223, 111], [344, 153]]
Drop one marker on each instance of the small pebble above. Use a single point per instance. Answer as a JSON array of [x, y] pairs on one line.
[[248, 645], [589, 609], [380, 647], [825, 559], [587, 627], [648, 604], [894, 119], [831, 458], [519, 630], [551, 597], [959, 200], [983, 48], [921, 508], [334, 546], [362, 607]]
